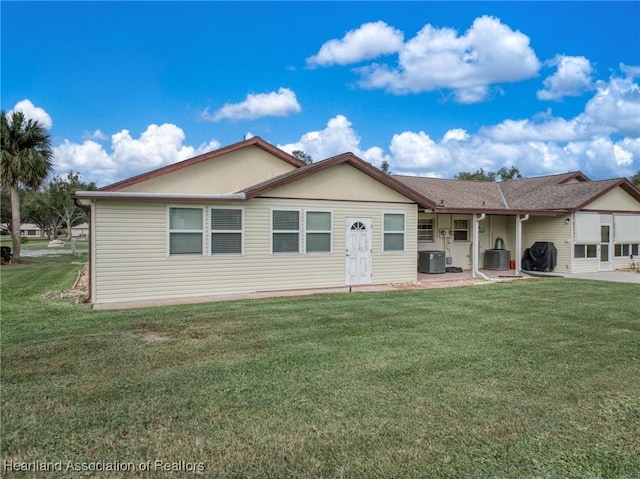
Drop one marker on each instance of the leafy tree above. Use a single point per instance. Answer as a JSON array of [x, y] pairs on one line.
[[60, 199], [512, 173], [26, 160], [301, 155], [635, 179], [480, 175], [37, 211], [5, 210], [385, 167]]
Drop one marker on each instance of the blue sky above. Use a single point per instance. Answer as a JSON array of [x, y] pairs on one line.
[[434, 88]]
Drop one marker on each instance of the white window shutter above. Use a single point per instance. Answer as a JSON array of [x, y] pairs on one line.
[[626, 228]]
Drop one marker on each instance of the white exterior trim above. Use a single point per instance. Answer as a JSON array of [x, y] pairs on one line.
[[203, 231], [404, 232], [306, 231], [299, 231]]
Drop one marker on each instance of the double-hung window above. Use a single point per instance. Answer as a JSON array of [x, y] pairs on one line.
[[285, 231], [461, 230], [425, 229], [185, 231], [318, 232], [226, 231], [394, 231]]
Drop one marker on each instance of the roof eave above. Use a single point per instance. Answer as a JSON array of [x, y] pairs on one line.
[[501, 211]]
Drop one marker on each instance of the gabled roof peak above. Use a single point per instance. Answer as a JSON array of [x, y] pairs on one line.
[[253, 141], [349, 158]]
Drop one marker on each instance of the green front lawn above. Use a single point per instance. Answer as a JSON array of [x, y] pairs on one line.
[[530, 379]]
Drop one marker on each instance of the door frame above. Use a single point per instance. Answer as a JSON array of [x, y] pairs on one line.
[[367, 222], [605, 265]]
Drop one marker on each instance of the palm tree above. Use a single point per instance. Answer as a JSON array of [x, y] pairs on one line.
[[26, 160]]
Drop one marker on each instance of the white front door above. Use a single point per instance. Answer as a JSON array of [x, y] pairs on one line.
[[358, 254], [605, 248]]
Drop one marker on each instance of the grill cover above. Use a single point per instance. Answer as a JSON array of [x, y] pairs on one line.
[[540, 257]]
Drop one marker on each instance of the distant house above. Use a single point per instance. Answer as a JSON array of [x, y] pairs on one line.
[[594, 225], [26, 229], [80, 231], [250, 217]]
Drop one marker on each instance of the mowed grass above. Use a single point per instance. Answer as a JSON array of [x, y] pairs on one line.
[[530, 379]]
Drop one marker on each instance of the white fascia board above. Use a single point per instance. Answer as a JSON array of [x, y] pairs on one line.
[[114, 195]]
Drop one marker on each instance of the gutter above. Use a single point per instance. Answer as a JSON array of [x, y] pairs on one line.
[[475, 272], [124, 195]]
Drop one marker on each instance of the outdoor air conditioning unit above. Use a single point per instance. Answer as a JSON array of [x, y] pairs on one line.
[[497, 259], [431, 262]]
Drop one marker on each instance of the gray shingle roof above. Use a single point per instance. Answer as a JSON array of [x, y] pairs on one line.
[[564, 192]]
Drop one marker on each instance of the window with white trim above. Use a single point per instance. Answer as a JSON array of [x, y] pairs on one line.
[[585, 251], [185, 231], [226, 231], [393, 231], [285, 231], [624, 250], [461, 230], [318, 232], [425, 229]]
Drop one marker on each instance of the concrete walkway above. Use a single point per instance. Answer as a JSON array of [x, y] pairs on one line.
[[615, 276]]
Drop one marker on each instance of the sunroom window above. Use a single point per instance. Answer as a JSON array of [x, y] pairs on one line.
[[622, 250], [585, 251]]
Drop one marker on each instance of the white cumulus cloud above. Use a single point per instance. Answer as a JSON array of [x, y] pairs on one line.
[[157, 146], [33, 112], [280, 103], [572, 78], [617, 105], [438, 58], [338, 137], [602, 141], [369, 41], [96, 135]]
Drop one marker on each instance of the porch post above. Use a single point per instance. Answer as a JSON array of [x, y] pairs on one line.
[[519, 222]]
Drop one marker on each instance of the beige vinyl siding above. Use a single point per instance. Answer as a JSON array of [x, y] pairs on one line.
[[341, 182], [228, 173], [615, 200], [550, 229], [132, 264], [622, 262]]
